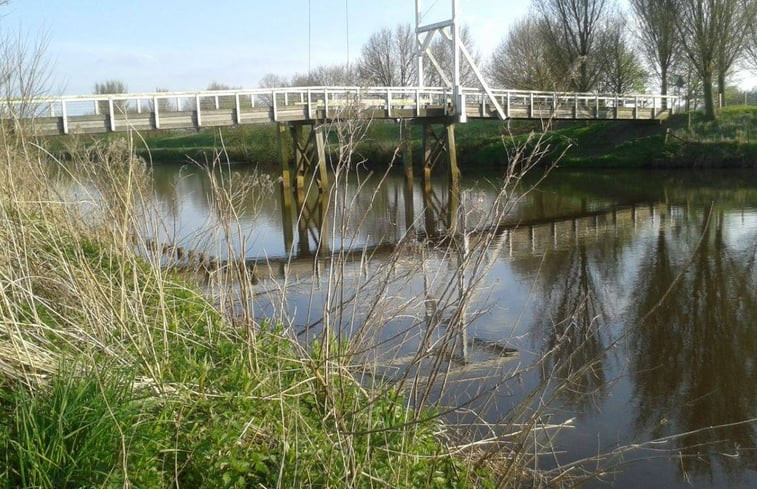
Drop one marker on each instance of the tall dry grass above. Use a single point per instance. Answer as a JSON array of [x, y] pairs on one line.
[[118, 371]]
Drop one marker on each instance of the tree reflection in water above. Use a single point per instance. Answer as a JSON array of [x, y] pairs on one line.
[[692, 358], [573, 344]]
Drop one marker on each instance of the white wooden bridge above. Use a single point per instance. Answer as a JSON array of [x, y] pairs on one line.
[[93, 114], [302, 111]]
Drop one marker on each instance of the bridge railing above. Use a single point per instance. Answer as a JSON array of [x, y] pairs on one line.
[[524, 103], [110, 112]]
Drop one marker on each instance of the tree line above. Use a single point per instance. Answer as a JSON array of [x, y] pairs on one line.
[[580, 45], [694, 46], [592, 45]]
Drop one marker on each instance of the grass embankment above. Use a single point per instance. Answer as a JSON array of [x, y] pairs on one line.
[[685, 140], [116, 373]]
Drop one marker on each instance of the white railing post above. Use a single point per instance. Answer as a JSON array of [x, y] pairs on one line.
[[178, 104], [596, 106], [139, 106], [388, 103], [310, 104], [156, 111], [617, 105], [218, 102], [531, 105], [286, 99], [64, 113], [52, 109], [252, 100], [507, 105], [483, 106], [575, 106], [197, 105], [554, 104], [654, 107], [97, 107], [417, 102], [112, 115], [326, 103], [635, 107], [275, 109], [238, 108], [302, 97]]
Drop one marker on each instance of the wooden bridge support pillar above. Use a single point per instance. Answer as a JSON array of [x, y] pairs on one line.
[[312, 223], [286, 218], [454, 177], [407, 151], [308, 156], [286, 188], [286, 178], [307, 160], [407, 166], [434, 148]]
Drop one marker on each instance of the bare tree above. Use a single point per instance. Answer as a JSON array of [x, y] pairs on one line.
[[301, 80], [712, 35], [163, 104], [520, 60], [377, 62], [623, 70], [572, 32], [24, 72], [737, 19], [656, 30], [406, 47], [272, 80], [388, 57], [441, 49], [751, 41], [221, 101], [334, 75], [110, 87]]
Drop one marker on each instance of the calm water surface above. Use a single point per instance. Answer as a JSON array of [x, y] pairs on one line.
[[638, 287]]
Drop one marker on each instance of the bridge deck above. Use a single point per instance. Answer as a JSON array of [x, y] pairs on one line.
[[92, 114]]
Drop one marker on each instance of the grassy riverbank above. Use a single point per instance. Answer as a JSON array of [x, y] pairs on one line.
[[686, 140], [117, 373]]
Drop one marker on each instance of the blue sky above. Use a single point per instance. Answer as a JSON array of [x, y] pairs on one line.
[[187, 44]]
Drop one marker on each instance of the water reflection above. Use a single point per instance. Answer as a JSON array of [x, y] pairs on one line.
[[627, 285], [694, 348], [572, 323]]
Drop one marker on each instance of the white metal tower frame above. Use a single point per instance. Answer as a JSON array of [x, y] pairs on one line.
[[449, 30]]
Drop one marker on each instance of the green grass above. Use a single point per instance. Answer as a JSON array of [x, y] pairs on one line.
[[116, 372]]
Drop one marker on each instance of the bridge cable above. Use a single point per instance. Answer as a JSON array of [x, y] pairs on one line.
[[347, 24], [428, 9]]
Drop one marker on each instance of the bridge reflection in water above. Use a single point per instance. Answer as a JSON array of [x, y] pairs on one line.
[[306, 230], [577, 289]]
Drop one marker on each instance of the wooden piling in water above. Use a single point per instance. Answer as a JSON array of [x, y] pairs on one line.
[[454, 176]]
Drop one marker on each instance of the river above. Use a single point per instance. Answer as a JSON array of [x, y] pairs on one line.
[[629, 298]]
